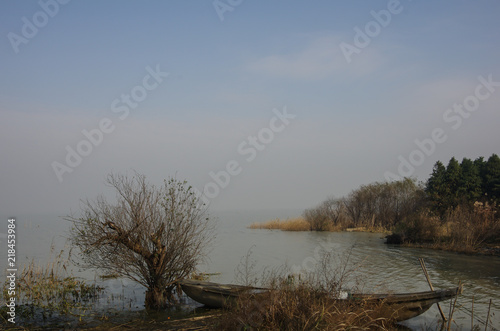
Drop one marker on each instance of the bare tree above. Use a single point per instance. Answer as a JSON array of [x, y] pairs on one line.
[[152, 235], [354, 205], [336, 211], [317, 219], [384, 204]]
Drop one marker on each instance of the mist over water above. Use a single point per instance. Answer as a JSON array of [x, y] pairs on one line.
[[379, 268]]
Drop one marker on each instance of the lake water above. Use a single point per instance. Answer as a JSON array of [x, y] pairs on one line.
[[380, 267]]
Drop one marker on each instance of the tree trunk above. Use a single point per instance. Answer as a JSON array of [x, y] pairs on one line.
[[156, 298]]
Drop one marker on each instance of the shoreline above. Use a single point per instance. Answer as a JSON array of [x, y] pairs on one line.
[[485, 250], [299, 224]]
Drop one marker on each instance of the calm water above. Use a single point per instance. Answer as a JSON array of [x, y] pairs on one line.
[[380, 267]]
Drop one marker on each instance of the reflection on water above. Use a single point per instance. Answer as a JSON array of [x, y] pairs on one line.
[[382, 268]]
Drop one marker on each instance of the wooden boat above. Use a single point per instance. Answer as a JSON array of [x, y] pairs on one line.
[[216, 295], [395, 307], [403, 306]]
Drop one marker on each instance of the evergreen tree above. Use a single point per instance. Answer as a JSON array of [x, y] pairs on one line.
[[436, 188], [469, 188], [492, 176], [481, 168], [452, 176]]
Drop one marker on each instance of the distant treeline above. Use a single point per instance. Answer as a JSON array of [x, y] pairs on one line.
[[376, 205], [458, 203]]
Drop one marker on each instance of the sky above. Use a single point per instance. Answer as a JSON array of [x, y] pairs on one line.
[[257, 104]]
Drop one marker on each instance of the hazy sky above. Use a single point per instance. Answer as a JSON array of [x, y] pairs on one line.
[[259, 104]]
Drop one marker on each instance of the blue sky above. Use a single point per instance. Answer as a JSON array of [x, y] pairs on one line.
[[354, 121]]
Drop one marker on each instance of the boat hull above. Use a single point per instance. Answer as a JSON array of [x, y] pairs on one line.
[[394, 307], [404, 306], [216, 295]]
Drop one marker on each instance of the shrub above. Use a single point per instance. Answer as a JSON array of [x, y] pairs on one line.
[[418, 228], [462, 229], [317, 220], [471, 227]]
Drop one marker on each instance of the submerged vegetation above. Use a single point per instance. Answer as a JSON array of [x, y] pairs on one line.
[[456, 209], [49, 293]]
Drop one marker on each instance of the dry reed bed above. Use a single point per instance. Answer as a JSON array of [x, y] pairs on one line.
[[290, 224], [301, 224]]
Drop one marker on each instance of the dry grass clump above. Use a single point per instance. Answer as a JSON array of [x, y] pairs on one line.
[[303, 306], [305, 301], [291, 305], [290, 224]]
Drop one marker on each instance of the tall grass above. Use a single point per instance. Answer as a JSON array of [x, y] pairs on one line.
[[46, 290], [290, 224]]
